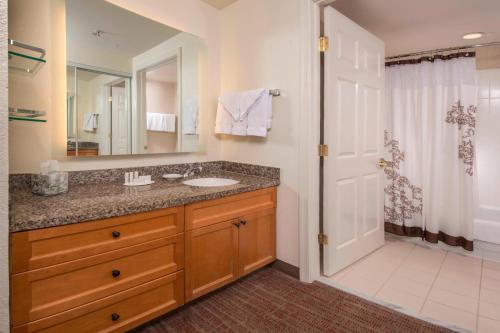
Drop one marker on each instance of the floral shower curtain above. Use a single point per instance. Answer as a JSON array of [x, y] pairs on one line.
[[429, 139]]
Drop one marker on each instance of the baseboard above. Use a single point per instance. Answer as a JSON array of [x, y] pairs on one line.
[[287, 268], [487, 231]]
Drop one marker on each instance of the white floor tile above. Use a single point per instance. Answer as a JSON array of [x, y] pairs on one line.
[[450, 315], [486, 325], [449, 286]]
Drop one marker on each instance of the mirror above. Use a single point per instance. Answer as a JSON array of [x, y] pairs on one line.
[[132, 83]]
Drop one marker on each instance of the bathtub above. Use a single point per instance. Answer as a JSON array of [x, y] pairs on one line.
[[487, 224]]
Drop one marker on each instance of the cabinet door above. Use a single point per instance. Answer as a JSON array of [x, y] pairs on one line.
[[211, 258], [257, 241]]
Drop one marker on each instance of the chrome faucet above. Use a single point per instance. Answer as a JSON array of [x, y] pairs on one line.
[[192, 170]]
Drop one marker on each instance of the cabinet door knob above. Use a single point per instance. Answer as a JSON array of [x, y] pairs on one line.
[[236, 224], [115, 316], [243, 222], [115, 273], [115, 234]]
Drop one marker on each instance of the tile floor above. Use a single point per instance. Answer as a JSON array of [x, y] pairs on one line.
[[460, 290]]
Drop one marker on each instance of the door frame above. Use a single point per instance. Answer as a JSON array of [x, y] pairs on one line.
[[174, 55], [309, 139]]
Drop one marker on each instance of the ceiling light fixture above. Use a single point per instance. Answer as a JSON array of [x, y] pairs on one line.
[[473, 35]]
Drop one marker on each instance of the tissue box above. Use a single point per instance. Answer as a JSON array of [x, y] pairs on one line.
[[50, 184]]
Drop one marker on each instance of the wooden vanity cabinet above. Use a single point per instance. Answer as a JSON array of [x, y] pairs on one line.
[[211, 258], [114, 274], [108, 275], [257, 241], [227, 239]]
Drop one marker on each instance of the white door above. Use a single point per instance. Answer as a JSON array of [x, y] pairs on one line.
[[120, 123], [353, 126]]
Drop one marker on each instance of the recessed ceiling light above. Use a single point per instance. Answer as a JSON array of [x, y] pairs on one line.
[[473, 35]]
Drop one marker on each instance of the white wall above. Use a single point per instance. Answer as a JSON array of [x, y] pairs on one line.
[[487, 225], [31, 143], [260, 48], [4, 171]]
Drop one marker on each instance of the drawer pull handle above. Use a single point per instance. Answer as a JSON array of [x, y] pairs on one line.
[[115, 316], [115, 234], [243, 222], [236, 224], [115, 273]]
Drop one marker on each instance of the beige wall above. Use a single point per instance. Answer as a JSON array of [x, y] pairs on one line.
[[259, 48], [4, 171], [32, 143]]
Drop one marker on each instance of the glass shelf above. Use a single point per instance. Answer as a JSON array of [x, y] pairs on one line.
[[25, 58], [26, 115]]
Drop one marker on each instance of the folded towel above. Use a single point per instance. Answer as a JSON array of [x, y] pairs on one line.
[[260, 116], [244, 113], [90, 122], [160, 122]]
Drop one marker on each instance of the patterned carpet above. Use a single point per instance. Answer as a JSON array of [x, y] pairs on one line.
[[270, 301]]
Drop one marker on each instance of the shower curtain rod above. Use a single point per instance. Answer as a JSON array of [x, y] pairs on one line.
[[443, 50]]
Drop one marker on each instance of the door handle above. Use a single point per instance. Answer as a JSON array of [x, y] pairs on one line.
[[236, 224], [382, 163]]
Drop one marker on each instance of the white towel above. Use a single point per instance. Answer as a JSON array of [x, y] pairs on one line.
[[160, 122], [190, 117], [244, 113], [260, 116], [89, 122]]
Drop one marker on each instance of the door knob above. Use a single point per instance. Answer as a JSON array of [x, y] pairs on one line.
[[115, 273], [115, 234], [244, 222], [236, 224], [115, 316], [382, 163]]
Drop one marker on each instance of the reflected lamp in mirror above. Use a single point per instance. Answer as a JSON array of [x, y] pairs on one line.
[[132, 83]]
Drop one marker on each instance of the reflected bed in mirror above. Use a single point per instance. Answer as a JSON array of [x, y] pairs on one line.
[[132, 83]]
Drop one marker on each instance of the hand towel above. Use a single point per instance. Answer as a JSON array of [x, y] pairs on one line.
[[234, 109], [89, 122], [160, 122], [260, 116]]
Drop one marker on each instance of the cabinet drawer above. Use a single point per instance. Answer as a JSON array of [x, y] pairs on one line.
[[41, 248], [133, 307], [202, 214], [47, 291]]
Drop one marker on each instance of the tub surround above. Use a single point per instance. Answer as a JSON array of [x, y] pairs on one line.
[[100, 194]]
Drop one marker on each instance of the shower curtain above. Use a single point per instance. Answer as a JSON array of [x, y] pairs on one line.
[[429, 141]]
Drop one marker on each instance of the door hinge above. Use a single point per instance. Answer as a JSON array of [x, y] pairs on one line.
[[323, 150], [322, 239], [323, 44]]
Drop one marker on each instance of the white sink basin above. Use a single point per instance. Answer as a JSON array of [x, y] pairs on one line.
[[210, 182]]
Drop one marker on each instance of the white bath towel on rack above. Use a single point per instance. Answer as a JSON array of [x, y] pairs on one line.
[[90, 122], [160, 122], [244, 113]]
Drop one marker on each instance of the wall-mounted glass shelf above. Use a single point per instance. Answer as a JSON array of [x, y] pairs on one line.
[[25, 58], [26, 115]]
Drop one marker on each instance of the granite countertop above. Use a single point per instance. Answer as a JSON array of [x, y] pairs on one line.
[[87, 202]]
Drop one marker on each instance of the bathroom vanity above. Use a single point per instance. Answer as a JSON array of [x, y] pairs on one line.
[[85, 265]]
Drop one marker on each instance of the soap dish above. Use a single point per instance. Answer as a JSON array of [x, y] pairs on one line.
[[172, 176]]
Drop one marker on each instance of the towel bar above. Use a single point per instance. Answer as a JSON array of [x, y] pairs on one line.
[[274, 92]]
